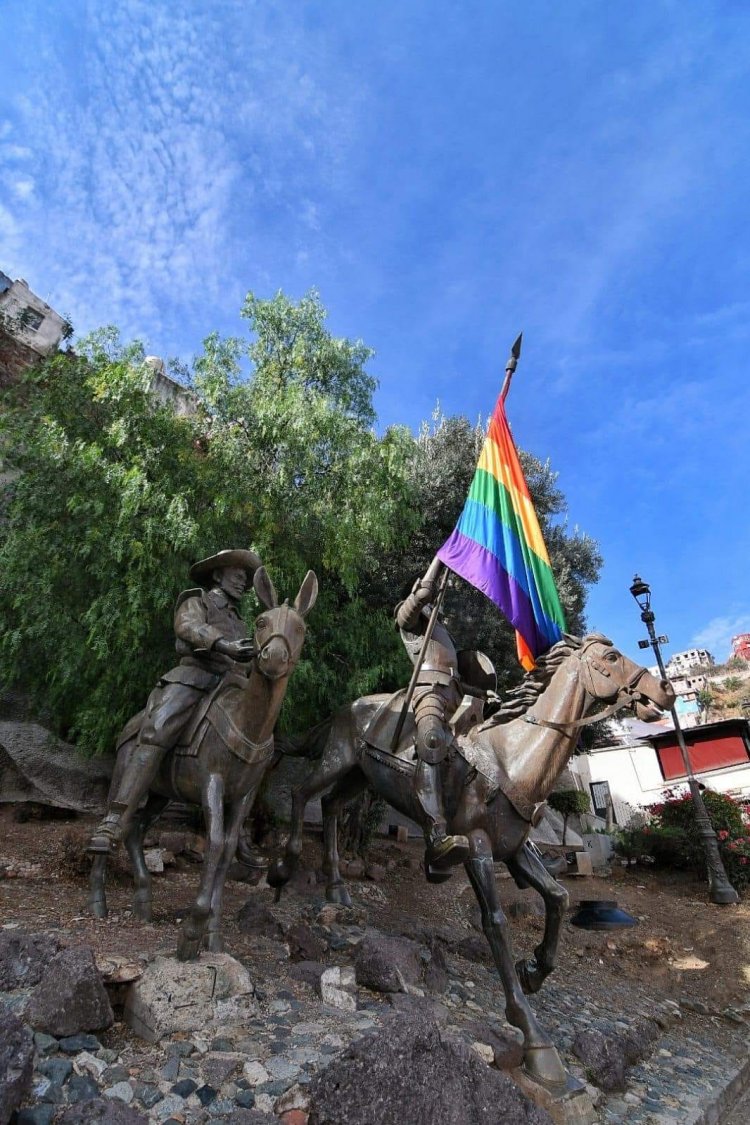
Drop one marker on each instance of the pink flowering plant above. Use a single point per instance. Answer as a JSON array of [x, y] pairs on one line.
[[671, 837]]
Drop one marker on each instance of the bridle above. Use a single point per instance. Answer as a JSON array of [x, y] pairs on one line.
[[626, 694]]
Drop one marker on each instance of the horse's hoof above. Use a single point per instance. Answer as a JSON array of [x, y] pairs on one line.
[[338, 893], [98, 907], [543, 1065], [279, 873]]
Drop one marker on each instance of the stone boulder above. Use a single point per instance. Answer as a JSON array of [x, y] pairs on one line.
[[36, 766], [606, 1056], [71, 996], [177, 995], [16, 1063], [388, 964], [415, 1072], [24, 957], [258, 920], [395, 964]]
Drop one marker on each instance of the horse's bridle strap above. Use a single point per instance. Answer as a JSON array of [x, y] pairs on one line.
[[625, 697]]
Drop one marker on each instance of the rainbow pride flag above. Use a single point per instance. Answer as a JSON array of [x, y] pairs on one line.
[[497, 545]]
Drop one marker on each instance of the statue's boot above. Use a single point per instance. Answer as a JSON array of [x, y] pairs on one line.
[[134, 785], [442, 850]]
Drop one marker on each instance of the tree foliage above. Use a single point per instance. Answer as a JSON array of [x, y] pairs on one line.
[[115, 495]]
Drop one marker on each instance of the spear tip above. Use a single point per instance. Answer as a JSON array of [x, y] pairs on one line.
[[515, 351]]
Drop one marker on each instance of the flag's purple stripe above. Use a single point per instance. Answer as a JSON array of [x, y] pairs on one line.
[[479, 567]]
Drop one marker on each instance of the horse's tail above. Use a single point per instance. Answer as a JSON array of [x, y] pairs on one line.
[[309, 745]]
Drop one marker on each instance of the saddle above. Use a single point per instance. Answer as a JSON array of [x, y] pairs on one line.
[[378, 739]]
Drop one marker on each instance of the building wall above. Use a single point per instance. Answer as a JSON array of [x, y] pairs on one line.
[[636, 781], [43, 329]]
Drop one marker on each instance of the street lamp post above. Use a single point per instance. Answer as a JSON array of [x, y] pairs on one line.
[[720, 889]]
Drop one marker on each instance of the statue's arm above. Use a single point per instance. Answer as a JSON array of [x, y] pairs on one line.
[[191, 625], [409, 611]]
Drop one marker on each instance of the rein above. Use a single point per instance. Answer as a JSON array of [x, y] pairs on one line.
[[624, 698]]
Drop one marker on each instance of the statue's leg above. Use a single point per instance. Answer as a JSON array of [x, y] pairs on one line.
[[443, 851], [237, 814], [338, 759], [97, 900], [527, 865], [344, 791], [193, 926], [133, 841], [541, 1060], [123, 805]]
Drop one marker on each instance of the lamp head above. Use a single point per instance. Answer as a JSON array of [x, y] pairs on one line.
[[641, 591]]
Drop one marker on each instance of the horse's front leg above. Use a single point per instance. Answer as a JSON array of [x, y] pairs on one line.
[[541, 1060], [133, 841], [193, 926], [527, 865], [342, 793], [97, 900], [239, 811]]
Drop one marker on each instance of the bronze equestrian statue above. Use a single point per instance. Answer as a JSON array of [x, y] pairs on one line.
[[495, 780], [215, 712]]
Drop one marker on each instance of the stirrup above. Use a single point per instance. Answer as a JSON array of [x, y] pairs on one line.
[[435, 875], [447, 852], [105, 837]]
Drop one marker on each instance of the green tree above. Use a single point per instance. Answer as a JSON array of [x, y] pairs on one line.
[[117, 495]]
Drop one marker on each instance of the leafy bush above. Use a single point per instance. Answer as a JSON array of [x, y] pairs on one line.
[[672, 838]]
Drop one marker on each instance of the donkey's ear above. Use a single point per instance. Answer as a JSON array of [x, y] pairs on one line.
[[263, 587], [308, 594]]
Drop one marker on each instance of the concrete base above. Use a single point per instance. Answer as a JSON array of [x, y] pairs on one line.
[[571, 1106], [173, 995]]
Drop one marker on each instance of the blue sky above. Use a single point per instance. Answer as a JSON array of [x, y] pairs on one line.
[[446, 175]]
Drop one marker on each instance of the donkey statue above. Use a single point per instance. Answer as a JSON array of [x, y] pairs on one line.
[[220, 767], [495, 783]]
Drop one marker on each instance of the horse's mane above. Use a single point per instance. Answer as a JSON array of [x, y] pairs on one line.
[[518, 700]]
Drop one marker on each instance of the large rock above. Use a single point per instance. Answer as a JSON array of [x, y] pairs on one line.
[[37, 766], [388, 964], [415, 1072], [257, 919], [177, 995], [24, 957], [70, 997], [16, 1063], [607, 1056]]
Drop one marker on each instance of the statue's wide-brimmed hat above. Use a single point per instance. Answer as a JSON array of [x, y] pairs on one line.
[[202, 572]]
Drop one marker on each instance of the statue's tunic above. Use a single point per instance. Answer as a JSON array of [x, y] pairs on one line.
[[202, 617], [437, 693]]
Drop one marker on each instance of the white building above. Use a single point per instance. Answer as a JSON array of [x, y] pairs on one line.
[[29, 320]]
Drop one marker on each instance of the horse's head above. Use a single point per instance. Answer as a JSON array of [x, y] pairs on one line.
[[280, 629], [609, 676]]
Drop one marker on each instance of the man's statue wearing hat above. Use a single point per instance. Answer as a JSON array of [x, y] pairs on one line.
[[211, 640]]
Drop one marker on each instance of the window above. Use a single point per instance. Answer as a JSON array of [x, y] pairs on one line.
[[31, 319]]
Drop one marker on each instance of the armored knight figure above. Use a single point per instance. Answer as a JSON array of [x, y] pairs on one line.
[[212, 641], [437, 695]]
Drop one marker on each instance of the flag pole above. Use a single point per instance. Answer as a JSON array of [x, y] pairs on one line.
[[420, 659], [510, 366]]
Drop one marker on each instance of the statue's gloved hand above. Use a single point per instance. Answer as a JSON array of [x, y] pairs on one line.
[[243, 650]]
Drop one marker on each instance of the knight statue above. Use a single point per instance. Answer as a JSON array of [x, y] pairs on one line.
[[211, 641], [437, 696]]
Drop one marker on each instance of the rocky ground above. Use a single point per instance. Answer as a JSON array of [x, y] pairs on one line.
[[653, 1018]]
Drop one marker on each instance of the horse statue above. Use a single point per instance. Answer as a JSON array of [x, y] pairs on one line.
[[227, 750], [495, 785]]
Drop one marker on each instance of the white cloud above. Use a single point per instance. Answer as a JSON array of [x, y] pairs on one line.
[[717, 635], [178, 130]]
